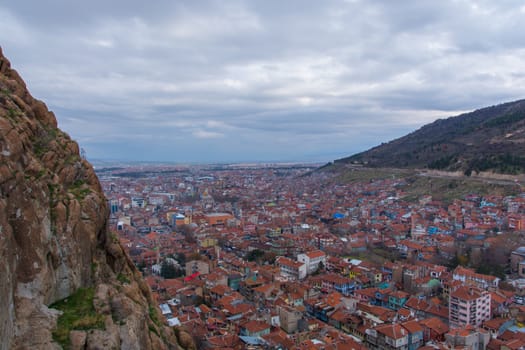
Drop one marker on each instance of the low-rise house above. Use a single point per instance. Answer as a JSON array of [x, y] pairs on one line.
[[387, 336], [437, 310], [366, 295], [375, 315], [218, 292], [500, 301], [234, 280], [320, 309], [265, 292], [339, 317], [434, 329], [397, 299], [497, 326], [278, 340], [248, 286], [516, 222], [255, 328], [467, 337], [415, 334], [226, 341], [332, 282]]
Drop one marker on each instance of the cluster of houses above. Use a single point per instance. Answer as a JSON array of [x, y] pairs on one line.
[[270, 259]]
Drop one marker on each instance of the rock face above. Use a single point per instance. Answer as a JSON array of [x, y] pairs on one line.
[[54, 237]]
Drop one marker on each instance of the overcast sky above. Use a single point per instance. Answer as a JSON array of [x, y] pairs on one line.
[[260, 80]]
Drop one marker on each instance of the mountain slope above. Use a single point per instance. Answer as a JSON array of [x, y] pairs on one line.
[[55, 243], [488, 139]]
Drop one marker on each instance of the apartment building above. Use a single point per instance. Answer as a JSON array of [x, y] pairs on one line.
[[313, 260], [333, 282], [468, 306], [293, 270], [468, 276]]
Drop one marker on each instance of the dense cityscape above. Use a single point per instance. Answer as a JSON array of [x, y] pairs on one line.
[[262, 175], [289, 257]]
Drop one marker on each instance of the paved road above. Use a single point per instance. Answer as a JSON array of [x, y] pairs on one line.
[[485, 179]]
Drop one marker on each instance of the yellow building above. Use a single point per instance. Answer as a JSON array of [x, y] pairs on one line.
[[208, 242]]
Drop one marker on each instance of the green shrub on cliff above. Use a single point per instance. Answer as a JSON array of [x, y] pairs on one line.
[[78, 314]]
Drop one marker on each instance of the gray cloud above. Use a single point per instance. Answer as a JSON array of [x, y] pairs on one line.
[[260, 80]]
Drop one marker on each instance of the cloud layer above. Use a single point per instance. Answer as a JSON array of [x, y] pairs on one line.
[[211, 81]]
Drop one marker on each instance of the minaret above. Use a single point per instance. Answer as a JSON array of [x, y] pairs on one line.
[[157, 248], [218, 252]]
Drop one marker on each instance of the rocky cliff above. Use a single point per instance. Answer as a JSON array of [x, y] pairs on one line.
[[64, 280]]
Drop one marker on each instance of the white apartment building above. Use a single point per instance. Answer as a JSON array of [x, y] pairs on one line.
[[293, 270], [312, 260]]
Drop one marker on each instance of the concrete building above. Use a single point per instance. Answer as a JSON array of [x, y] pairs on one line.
[[195, 266], [333, 282], [387, 337], [255, 328], [470, 277], [138, 202], [289, 319], [521, 269], [218, 219], [516, 257], [313, 260], [293, 270], [468, 306], [467, 338]]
